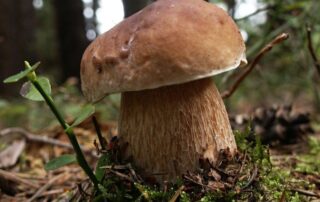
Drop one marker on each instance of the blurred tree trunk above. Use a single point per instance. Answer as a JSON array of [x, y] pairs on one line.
[[231, 4], [95, 6], [17, 25], [71, 32], [131, 6]]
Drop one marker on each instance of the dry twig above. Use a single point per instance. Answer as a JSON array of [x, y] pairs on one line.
[[254, 13], [177, 194], [37, 138], [195, 182], [121, 175], [52, 192], [102, 141], [280, 38], [312, 51], [12, 177], [45, 187], [115, 167], [252, 178], [133, 173], [305, 192], [283, 196]]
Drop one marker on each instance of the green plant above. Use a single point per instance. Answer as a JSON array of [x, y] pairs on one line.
[[258, 181], [271, 182], [310, 162], [39, 89]]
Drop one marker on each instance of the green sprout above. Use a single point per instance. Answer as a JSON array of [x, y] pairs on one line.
[[39, 89]]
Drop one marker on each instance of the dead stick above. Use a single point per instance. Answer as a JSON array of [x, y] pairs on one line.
[[52, 192], [116, 167], [11, 177], [252, 178], [177, 194], [312, 52], [195, 182], [122, 175], [133, 173], [305, 192], [254, 13], [37, 138], [45, 187], [261, 53], [102, 141]]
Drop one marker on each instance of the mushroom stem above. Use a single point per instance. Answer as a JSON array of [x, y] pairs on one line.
[[169, 129]]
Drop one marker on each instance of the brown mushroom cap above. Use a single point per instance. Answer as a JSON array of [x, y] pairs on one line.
[[168, 42]]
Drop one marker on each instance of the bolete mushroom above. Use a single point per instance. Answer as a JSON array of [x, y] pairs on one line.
[[161, 60]]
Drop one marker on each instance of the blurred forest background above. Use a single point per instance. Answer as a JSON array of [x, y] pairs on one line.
[[56, 32]]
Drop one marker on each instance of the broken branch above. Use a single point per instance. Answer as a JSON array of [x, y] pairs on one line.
[[280, 38], [36, 138], [305, 192], [45, 187], [254, 13], [12, 177], [177, 194], [312, 51]]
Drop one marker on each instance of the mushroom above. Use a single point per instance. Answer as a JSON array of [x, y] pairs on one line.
[[161, 60]]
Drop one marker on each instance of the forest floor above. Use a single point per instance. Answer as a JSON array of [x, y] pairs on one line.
[[288, 169]]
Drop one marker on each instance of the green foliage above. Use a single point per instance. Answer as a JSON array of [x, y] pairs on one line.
[[314, 146], [22, 74], [46, 40], [258, 152], [85, 113], [14, 113], [271, 182], [241, 139], [70, 101], [153, 194], [30, 92], [287, 72], [218, 196], [104, 160], [184, 197], [42, 88], [60, 162], [310, 163]]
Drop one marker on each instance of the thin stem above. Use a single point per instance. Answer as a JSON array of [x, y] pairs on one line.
[[99, 134], [80, 157], [50, 103], [254, 13], [255, 61], [316, 62]]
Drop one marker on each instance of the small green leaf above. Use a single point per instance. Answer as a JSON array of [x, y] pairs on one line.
[[60, 162], [22, 74], [103, 161], [30, 92], [84, 113], [102, 189]]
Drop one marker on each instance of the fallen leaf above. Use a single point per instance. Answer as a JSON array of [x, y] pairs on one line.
[[10, 155]]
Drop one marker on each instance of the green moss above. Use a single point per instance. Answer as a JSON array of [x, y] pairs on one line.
[[184, 197], [310, 162], [261, 182]]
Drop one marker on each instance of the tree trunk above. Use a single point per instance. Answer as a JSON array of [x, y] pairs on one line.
[[71, 35], [231, 4], [17, 25], [131, 7]]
